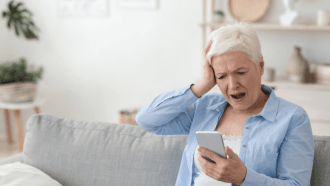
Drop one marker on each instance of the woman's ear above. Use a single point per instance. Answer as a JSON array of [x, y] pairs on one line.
[[261, 65]]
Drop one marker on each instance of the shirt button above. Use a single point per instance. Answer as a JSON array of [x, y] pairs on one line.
[[244, 145], [247, 127]]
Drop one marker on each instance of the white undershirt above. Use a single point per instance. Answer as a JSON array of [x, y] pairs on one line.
[[233, 142]]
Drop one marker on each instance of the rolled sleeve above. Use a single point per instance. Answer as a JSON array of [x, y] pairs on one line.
[[169, 113]]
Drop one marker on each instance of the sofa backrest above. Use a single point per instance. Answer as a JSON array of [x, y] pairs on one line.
[[321, 163], [80, 153], [96, 153]]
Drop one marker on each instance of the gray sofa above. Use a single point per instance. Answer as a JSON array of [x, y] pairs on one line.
[[80, 153]]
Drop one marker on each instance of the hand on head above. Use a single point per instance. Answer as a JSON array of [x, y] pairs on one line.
[[207, 82], [208, 73]]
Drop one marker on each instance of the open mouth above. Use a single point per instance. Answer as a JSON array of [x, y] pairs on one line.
[[238, 96]]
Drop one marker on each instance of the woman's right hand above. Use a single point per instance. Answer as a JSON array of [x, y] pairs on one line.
[[207, 81]]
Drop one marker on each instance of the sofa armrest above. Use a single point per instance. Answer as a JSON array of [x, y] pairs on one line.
[[12, 159]]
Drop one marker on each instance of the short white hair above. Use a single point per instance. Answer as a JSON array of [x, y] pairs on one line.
[[236, 37]]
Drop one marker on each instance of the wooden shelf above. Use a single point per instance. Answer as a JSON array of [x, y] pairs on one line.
[[272, 26]]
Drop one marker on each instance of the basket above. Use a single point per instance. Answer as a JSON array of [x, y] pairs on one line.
[[18, 92], [128, 116]]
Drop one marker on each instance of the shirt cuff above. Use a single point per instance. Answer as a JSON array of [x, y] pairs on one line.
[[189, 96], [251, 177], [192, 91]]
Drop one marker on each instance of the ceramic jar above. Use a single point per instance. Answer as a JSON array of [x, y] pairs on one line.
[[323, 17], [323, 74], [297, 67]]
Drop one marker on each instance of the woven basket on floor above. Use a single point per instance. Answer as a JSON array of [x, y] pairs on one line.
[[18, 92], [128, 116]]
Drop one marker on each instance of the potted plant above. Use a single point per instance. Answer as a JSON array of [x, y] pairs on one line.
[[18, 81], [218, 16]]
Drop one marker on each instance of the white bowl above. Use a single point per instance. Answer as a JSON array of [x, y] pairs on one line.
[[323, 74]]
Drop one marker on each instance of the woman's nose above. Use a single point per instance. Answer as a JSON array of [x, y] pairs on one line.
[[233, 83]]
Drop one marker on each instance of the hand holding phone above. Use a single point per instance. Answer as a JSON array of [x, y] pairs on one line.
[[213, 141]]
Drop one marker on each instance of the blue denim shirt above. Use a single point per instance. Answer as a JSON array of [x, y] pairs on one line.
[[277, 144]]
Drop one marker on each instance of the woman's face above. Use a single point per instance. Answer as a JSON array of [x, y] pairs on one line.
[[238, 78]]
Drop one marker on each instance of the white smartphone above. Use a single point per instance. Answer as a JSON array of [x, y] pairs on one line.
[[211, 140]]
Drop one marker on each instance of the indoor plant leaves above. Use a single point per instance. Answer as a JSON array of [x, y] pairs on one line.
[[20, 18]]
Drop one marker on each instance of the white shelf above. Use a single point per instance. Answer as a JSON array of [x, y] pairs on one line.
[[272, 26], [297, 86], [287, 85]]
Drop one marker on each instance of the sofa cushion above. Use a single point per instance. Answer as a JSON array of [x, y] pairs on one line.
[[81, 153], [18, 174], [321, 164]]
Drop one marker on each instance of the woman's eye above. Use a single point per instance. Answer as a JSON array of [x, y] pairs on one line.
[[221, 77], [241, 73]]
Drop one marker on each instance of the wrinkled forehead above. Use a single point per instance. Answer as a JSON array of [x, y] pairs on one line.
[[230, 56], [232, 61]]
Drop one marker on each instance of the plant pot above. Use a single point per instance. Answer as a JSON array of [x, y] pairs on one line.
[[18, 92], [217, 18]]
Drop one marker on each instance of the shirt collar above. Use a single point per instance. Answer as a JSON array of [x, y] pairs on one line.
[[269, 111]]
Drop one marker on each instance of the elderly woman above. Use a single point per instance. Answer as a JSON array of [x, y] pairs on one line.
[[268, 140]]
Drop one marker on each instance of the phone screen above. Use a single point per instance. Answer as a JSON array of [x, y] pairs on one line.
[[211, 140]]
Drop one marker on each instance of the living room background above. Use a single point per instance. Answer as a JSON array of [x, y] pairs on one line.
[[95, 67]]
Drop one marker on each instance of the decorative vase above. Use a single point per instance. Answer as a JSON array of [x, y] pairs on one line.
[[18, 92], [291, 16], [297, 67]]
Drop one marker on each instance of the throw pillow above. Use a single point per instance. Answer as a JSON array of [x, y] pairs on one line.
[[18, 174]]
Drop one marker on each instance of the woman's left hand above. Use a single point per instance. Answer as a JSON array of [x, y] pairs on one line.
[[230, 170]]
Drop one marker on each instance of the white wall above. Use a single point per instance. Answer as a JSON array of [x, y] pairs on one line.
[[95, 67]]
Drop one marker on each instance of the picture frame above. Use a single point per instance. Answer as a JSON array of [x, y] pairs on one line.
[[82, 8], [138, 4]]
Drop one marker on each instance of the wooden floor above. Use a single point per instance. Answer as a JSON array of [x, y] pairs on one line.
[[7, 150]]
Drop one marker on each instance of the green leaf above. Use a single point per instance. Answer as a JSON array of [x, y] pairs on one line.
[[31, 23], [25, 32], [17, 71], [16, 29], [31, 34], [9, 22], [10, 5], [219, 13], [21, 18], [4, 14], [28, 22], [18, 5], [25, 11]]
